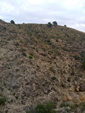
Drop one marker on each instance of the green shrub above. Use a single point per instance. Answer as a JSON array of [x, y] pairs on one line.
[[12, 22], [24, 54], [40, 108], [2, 100], [53, 78], [14, 93], [65, 26], [27, 112], [30, 56], [49, 24], [55, 23], [82, 106], [65, 104], [74, 106], [48, 108], [76, 57], [83, 64], [16, 97]]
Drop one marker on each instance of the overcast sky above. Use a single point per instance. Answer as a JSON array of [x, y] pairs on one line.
[[65, 12]]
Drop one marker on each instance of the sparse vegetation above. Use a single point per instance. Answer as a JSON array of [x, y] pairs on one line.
[[40, 63], [73, 106], [65, 26], [45, 108], [2, 101], [82, 106], [24, 54], [53, 78], [52, 69], [55, 23], [83, 64], [12, 22], [49, 24], [77, 57], [30, 56]]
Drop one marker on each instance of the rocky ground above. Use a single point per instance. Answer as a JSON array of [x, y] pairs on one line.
[[39, 64]]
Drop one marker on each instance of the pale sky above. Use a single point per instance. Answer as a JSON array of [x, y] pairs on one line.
[[64, 12]]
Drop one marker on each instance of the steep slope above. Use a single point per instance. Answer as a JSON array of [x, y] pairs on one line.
[[40, 64]]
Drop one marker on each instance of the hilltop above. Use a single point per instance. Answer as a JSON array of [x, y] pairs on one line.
[[40, 64]]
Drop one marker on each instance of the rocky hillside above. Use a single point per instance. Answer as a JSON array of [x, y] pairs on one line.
[[41, 64]]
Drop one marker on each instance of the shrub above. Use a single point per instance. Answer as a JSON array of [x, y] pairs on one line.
[[30, 56], [82, 106], [76, 57], [52, 69], [49, 24], [24, 54], [64, 105], [53, 78], [65, 26], [48, 108], [73, 106], [40, 108], [12, 22], [2, 100], [48, 42], [55, 23], [83, 64]]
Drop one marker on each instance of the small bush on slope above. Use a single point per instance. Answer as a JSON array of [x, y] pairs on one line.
[[2, 101], [48, 108], [83, 65]]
